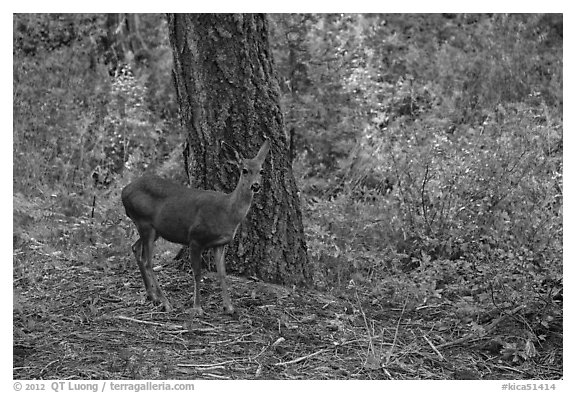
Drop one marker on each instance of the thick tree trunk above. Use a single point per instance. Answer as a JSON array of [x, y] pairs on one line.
[[228, 91]]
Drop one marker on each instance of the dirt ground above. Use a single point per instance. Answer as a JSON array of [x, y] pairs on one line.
[[82, 319]]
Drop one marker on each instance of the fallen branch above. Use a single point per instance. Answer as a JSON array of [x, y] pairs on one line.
[[145, 322], [389, 352], [212, 365], [215, 376], [476, 334], [434, 348], [170, 326], [232, 341], [301, 358]]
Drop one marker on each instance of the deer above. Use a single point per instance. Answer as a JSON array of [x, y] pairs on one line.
[[199, 219]]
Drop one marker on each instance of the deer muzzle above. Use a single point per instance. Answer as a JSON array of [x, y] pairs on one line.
[[255, 187]]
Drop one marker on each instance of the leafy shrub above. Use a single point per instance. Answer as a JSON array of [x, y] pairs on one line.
[[451, 187]]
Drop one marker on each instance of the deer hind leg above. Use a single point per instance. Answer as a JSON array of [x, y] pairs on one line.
[[196, 262], [143, 250], [219, 253]]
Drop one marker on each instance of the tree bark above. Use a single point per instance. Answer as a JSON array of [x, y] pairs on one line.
[[228, 91]]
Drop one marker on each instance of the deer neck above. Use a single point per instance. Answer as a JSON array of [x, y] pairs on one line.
[[240, 200]]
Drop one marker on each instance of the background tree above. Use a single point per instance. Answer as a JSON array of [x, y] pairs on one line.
[[124, 43], [228, 91]]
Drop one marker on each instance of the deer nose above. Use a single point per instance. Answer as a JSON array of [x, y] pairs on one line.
[[255, 187]]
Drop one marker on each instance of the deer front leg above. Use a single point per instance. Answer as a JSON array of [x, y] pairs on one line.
[[141, 252], [219, 253], [137, 249], [147, 239], [196, 262]]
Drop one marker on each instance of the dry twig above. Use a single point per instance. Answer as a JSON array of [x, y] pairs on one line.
[[475, 334], [434, 348], [300, 358], [212, 365]]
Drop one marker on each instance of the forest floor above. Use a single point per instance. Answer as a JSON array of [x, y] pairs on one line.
[[80, 313]]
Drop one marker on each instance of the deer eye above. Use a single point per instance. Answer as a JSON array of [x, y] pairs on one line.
[[244, 171], [261, 171]]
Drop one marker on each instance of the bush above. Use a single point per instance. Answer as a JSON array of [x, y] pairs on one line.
[[451, 187]]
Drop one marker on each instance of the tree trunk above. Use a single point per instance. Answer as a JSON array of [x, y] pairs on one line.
[[124, 42], [228, 91]]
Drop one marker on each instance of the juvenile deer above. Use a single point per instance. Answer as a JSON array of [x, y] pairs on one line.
[[199, 219]]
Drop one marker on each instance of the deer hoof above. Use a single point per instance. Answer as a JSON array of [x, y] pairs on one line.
[[197, 311], [160, 301], [166, 306]]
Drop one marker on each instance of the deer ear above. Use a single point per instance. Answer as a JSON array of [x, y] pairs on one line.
[[263, 150], [230, 153]]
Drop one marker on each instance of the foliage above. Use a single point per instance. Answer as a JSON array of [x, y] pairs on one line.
[[430, 154], [73, 124], [341, 72]]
